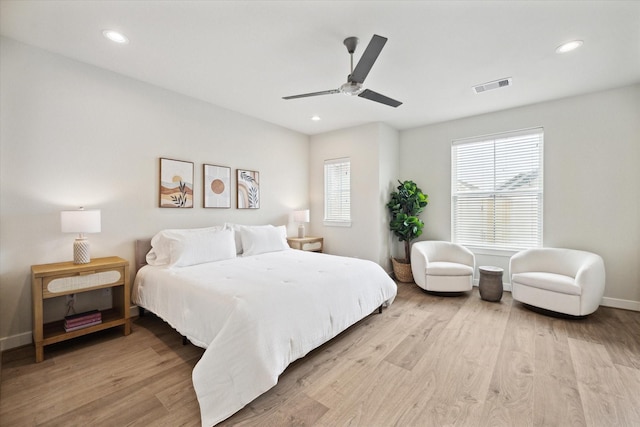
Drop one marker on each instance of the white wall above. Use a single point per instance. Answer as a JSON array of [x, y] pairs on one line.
[[72, 134], [389, 169], [373, 150], [591, 178]]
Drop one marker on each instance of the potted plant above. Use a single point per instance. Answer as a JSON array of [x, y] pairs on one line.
[[405, 205]]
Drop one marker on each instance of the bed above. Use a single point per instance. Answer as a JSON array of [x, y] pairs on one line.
[[252, 303]]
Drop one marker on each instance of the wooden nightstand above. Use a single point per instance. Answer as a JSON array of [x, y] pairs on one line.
[[65, 278], [312, 244]]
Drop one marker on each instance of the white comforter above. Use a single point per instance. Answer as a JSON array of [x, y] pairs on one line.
[[255, 315]]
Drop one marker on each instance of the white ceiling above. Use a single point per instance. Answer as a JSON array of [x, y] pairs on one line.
[[247, 55]]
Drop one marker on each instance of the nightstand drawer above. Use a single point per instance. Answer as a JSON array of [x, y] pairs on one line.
[[83, 281], [311, 244]]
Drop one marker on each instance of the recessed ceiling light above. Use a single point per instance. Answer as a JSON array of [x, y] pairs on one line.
[[115, 36], [569, 46], [315, 118]]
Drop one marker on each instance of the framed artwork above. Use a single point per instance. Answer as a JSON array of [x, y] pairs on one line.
[[217, 186], [248, 189], [176, 183]]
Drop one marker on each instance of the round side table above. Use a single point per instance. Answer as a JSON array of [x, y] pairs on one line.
[[490, 284]]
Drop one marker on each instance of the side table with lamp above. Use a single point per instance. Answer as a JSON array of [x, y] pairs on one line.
[[302, 242], [83, 274]]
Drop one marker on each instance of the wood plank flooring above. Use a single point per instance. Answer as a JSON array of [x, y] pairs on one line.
[[426, 361]]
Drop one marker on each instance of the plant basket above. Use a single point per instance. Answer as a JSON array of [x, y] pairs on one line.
[[402, 271]]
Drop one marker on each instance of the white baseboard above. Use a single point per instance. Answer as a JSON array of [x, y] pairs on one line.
[[14, 341], [620, 303]]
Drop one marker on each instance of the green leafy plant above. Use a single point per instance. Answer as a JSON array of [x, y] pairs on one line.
[[405, 205]]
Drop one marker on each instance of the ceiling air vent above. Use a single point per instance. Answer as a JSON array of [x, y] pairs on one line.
[[493, 85]]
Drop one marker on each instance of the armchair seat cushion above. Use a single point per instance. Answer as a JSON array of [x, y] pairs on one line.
[[443, 268], [549, 281]]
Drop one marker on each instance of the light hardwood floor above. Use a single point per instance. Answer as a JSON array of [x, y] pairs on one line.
[[426, 361]]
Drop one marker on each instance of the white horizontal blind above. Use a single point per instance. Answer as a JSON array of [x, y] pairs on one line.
[[337, 191], [497, 190]]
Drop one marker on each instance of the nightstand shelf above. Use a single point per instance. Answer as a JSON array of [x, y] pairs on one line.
[[311, 244], [65, 278], [54, 332]]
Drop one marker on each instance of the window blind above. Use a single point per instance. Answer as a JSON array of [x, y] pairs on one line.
[[497, 191], [337, 191]]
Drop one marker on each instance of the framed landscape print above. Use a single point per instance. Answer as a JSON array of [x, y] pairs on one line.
[[248, 189], [217, 186], [176, 183]]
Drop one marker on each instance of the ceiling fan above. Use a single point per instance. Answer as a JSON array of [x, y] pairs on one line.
[[353, 86]]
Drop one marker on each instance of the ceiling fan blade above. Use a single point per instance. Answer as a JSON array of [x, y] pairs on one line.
[[368, 58], [375, 96], [304, 95]]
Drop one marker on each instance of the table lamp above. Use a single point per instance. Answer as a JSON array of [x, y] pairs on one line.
[[80, 221], [301, 217]]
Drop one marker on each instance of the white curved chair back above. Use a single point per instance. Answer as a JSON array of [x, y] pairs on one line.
[[442, 251], [567, 262]]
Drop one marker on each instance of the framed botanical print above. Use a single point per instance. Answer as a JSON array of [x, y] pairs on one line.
[[176, 183], [248, 183], [216, 186]]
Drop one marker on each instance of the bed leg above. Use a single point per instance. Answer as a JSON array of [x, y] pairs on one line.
[[184, 340], [380, 310], [141, 311]]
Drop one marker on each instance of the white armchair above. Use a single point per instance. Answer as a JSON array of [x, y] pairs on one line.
[[442, 266], [566, 281]]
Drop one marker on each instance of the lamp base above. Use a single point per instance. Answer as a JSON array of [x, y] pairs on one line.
[[81, 254], [301, 231]]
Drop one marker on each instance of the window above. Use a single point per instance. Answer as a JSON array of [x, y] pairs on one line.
[[337, 192], [497, 190]]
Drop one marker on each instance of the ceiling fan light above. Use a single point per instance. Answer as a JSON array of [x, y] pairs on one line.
[[351, 88]]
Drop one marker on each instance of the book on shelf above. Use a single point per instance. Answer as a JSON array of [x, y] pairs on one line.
[[81, 326], [82, 322], [82, 318], [82, 315]]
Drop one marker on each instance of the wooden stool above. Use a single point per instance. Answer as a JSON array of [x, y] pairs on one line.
[[490, 284]]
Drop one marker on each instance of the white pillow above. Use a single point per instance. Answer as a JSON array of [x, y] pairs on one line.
[[236, 230], [186, 247], [259, 240], [198, 248]]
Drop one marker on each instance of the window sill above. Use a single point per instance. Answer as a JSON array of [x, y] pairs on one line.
[[337, 223], [480, 250]]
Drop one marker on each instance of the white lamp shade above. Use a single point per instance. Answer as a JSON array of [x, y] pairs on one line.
[[80, 221], [301, 216]]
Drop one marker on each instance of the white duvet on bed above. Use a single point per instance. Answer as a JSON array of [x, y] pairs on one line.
[[257, 314]]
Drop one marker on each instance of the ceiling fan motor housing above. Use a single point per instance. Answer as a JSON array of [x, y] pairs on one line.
[[351, 88]]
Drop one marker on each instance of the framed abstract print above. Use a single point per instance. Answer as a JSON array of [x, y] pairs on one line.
[[216, 186], [176, 183], [248, 183]]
